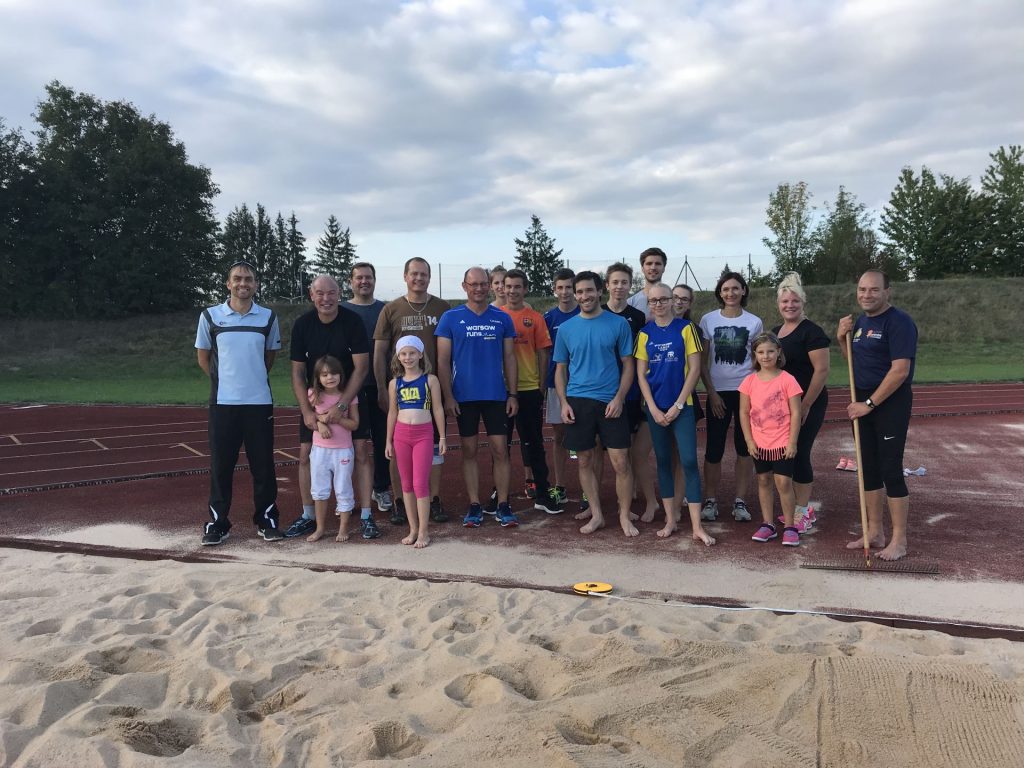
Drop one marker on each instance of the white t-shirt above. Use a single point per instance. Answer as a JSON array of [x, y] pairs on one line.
[[728, 343]]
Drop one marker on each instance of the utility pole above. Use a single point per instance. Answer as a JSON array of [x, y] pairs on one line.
[[685, 270]]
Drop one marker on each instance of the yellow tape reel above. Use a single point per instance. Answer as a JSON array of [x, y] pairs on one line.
[[591, 587]]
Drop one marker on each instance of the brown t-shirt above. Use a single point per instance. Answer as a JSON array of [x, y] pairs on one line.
[[400, 318]]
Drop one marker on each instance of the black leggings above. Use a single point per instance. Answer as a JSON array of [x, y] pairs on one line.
[[883, 435], [718, 429], [803, 472]]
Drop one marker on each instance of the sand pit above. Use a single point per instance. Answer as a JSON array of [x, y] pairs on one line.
[[113, 662]]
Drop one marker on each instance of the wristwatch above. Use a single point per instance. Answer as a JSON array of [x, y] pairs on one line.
[[870, 403], [681, 406]]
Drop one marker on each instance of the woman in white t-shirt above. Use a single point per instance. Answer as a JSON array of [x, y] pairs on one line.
[[728, 332]]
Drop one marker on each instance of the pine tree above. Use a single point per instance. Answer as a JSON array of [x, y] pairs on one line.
[[295, 261], [335, 254], [845, 245], [1003, 210], [537, 257]]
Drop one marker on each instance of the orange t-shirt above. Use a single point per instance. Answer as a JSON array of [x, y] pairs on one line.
[[531, 334], [769, 408]]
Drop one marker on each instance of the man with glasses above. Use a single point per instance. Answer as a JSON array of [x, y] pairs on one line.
[[476, 364], [236, 343]]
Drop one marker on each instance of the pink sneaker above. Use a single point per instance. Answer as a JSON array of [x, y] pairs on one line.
[[790, 537], [843, 462], [812, 515], [765, 533]]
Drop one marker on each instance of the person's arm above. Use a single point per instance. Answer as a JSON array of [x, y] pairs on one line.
[[794, 426], [561, 381], [898, 372], [642, 367], [381, 355], [820, 360], [203, 356], [715, 403], [693, 372], [543, 358], [508, 353], [438, 411], [745, 424], [614, 408], [389, 444], [299, 389], [268, 358], [349, 419], [844, 328], [444, 374]]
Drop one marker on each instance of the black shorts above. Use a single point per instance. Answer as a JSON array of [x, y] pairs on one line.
[[591, 422], [362, 433], [883, 436], [492, 412], [779, 467], [634, 415]]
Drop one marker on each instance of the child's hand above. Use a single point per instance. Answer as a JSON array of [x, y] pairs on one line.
[[324, 430], [752, 450], [389, 450], [442, 446], [791, 451]]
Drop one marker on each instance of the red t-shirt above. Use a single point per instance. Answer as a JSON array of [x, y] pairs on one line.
[[769, 408]]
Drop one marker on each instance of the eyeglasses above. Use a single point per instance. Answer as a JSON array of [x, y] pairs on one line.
[[687, 299], [658, 301]]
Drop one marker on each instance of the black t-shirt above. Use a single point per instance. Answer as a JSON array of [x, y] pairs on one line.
[[636, 319], [343, 337], [805, 338]]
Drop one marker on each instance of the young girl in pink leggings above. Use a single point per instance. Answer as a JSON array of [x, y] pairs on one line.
[[415, 397]]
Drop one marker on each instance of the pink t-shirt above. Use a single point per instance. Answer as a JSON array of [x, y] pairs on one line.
[[340, 437], [769, 408]]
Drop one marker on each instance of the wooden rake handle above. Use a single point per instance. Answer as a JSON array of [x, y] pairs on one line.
[[856, 444]]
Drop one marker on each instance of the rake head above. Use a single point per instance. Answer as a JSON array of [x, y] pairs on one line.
[[857, 563]]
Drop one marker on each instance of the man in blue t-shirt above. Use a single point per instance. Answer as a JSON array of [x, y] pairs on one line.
[[588, 348], [236, 343], [476, 365], [884, 345]]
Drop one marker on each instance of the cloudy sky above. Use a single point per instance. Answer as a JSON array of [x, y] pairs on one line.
[[436, 128]]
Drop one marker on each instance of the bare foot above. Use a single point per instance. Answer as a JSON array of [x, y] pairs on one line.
[[628, 528], [315, 536], [858, 543], [668, 530], [633, 516], [648, 516], [342, 536], [894, 551], [593, 525], [410, 539], [422, 542], [584, 515], [703, 537]]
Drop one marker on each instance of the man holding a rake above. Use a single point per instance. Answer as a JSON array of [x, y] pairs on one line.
[[883, 347]]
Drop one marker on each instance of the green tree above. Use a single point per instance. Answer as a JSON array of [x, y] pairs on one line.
[[20, 196], [295, 260], [789, 218], [126, 224], [537, 257], [933, 226], [276, 286], [335, 254], [844, 242], [238, 237], [1003, 211]]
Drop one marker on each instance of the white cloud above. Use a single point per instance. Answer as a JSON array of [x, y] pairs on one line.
[[461, 113]]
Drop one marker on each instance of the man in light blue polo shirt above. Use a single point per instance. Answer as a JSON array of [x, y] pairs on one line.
[[236, 342]]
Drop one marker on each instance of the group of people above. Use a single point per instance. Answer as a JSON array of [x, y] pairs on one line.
[[376, 383]]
